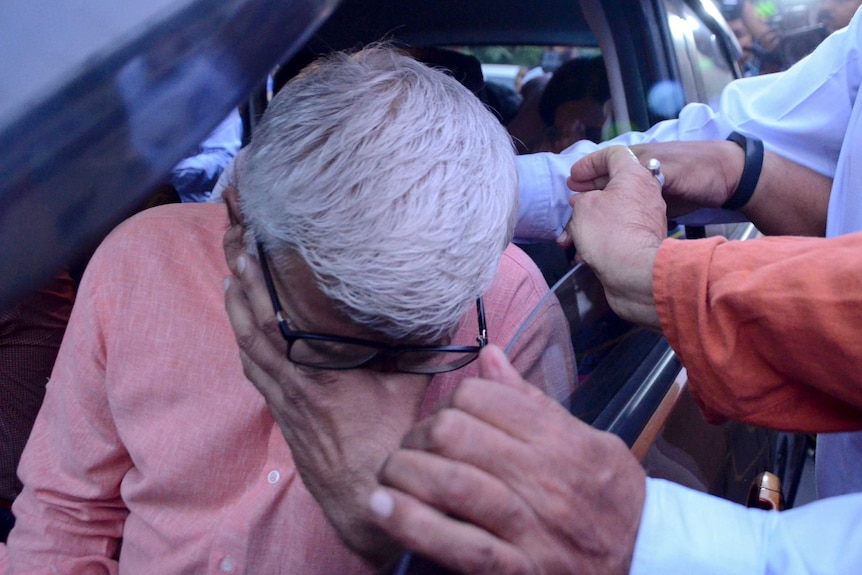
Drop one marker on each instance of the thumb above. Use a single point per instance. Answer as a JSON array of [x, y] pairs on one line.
[[495, 366]]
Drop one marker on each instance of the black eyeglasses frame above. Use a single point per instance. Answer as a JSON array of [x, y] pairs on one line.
[[385, 351]]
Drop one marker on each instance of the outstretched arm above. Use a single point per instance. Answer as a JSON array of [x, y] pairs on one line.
[[789, 199], [763, 326], [810, 102]]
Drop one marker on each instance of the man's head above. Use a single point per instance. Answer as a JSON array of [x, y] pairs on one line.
[[743, 36], [573, 102], [838, 13], [389, 184]]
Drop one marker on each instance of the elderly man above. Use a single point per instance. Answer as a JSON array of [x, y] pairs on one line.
[[380, 198]]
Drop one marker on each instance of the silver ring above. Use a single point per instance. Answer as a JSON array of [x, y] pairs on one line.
[[654, 166]]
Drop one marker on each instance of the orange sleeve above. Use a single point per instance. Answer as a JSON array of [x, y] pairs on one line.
[[770, 330]]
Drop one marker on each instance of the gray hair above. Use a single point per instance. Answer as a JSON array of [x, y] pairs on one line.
[[393, 183]]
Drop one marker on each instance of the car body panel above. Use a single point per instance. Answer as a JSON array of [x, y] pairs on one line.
[[88, 135]]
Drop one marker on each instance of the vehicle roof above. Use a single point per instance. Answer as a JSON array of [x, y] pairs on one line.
[[458, 22]]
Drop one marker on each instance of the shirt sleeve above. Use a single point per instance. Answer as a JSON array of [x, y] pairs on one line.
[[767, 328], [69, 516], [195, 176], [810, 102], [683, 531]]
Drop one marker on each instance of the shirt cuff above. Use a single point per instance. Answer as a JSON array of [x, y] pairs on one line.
[[683, 531], [535, 181]]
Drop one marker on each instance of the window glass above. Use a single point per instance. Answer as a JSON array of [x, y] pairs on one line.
[[548, 97], [710, 62], [704, 68]]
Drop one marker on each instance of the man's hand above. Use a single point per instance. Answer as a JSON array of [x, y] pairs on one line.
[[502, 480], [617, 231], [697, 174], [340, 425], [789, 199]]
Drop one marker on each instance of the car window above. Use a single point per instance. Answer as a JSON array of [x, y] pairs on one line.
[[704, 68]]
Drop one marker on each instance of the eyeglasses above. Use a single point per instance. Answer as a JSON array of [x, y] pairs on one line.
[[324, 351]]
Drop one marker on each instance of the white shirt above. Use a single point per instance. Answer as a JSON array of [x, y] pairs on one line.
[[686, 532], [810, 114]]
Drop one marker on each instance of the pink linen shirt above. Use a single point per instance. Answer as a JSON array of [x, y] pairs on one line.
[[154, 454]]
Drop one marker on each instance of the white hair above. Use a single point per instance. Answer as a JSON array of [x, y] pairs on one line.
[[393, 183]]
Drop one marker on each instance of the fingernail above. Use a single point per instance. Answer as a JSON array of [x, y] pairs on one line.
[[226, 283], [563, 237], [240, 264], [381, 503]]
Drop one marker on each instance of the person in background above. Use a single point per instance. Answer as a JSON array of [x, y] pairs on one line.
[[748, 62], [195, 176], [528, 129], [836, 14], [574, 103]]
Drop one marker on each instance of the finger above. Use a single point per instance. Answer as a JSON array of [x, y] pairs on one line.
[[263, 361], [458, 489], [458, 546], [588, 184], [274, 394], [496, 369], [524, 412], [458, 436], [564, 240], [606, 163], [495, 366], [253, 285]]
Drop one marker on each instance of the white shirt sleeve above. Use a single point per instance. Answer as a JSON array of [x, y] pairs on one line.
[[683, 531], [543, 204], [801, 114]]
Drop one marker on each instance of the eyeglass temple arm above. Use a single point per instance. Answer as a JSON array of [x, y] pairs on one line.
[[483, 328], [267, 278], [270, 287]]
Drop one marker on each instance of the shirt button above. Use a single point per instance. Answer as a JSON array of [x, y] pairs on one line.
[[273, 476], [227, 564]]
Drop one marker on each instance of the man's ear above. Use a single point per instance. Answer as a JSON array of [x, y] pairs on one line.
[[234, 241], [230, 195]]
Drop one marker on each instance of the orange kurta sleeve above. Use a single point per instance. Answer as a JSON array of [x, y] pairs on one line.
[[770, 330]]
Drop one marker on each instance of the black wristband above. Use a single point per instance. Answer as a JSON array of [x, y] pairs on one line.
[[753, 148]]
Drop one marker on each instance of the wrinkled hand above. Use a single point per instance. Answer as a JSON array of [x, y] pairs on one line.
[[697, 174], [618, 230], [340, 425], [502, 480]]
